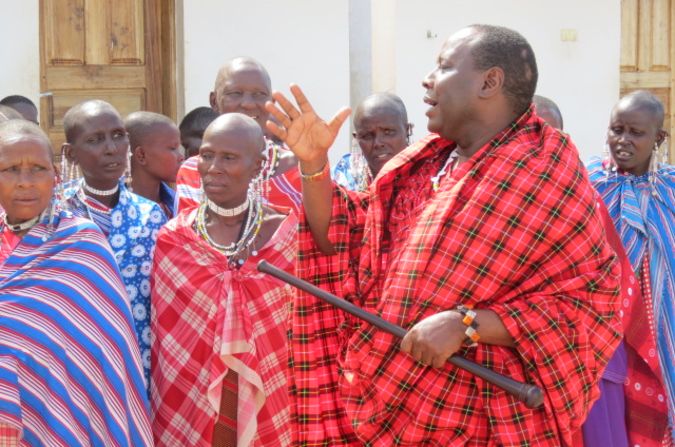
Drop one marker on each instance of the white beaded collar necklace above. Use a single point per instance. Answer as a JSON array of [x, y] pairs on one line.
[[23, 226], [227, 212], [100, 192]]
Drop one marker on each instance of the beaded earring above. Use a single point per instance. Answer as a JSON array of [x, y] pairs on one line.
[[610, 166], [127, 170], [358, 167], [654, 166], [664, 149], [68, 173]]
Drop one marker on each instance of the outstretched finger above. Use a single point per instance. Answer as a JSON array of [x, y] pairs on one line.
[[286, 105], [280, 116], [277, 131], [338, 119], [301, 99]]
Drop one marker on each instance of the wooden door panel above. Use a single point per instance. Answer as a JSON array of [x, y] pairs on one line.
[[91, 77], [127, 34], [647, 53], [63, 32], [101, 49], [125, 101]]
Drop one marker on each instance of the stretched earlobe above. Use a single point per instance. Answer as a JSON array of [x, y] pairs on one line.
[[67, 152]]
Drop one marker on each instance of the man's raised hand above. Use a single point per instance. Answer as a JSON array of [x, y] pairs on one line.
[[303, 131]]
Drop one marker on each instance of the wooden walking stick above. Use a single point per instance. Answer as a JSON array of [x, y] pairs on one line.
[[529, 394]]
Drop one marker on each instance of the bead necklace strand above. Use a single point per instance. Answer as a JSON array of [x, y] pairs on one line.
[[100, 192], [249, 233]]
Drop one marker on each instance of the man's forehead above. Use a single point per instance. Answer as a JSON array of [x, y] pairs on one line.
[[244, 73], [377, 110]]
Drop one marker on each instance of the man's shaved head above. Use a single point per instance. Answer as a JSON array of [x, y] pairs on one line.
[[644, 100], [240, 63], [76, 114], [141, 124], [497, 46], [548, 111], [20, 128], [7, 113], [382, 101], [242, 85]]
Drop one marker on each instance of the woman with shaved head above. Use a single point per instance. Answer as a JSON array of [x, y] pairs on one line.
[[639, 190], [98, 144], [70, 370], [219, 325]]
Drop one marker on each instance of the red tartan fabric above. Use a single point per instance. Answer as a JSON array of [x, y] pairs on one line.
[[513, 230], [8, 242], [208, 318], [9, 436]]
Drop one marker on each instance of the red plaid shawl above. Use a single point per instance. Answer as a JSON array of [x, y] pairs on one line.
[[208, 318], [514, 230]]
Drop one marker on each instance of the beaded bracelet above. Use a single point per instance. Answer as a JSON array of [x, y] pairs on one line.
[[317, 176], [469, 320]]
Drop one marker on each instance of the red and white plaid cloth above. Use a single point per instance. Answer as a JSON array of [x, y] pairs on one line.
[[208, 318], [9, 436], [514, 230]]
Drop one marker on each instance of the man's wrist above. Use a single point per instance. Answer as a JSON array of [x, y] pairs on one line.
[[309, 168]]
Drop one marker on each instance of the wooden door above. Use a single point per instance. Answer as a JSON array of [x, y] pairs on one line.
[[111, 50], [647, 54]]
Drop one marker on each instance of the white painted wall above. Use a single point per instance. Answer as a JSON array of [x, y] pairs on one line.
[[582, 76], [20, 49], [300, 41], [308, 42]]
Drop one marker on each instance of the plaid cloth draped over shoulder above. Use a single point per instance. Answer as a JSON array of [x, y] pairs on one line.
[[209, 318], [514, 230]]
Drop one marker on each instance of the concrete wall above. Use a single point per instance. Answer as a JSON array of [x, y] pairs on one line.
[[582, 76], [300, 41], [309, 42], [20, 49]]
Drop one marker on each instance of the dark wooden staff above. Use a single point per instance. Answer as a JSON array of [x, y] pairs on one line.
[[529, 394]]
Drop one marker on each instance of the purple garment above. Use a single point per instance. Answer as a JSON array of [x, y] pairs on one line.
[[606, 422]]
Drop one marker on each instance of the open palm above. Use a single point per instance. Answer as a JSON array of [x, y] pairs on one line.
[[303, 131]]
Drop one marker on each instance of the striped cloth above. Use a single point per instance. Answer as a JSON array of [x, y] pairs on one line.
[[514, 230], [131, 227], [645, 219], [284, 190], [209, 319], [70, 369]]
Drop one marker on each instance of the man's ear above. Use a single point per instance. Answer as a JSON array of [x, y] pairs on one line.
[[493, 82], [213, 102]]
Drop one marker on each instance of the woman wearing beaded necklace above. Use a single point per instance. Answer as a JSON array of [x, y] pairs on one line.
[[639, 192], [97, 143], [219, 325], [69, 361]]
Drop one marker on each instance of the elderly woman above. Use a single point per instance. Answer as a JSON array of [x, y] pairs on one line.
[[640, 195], [70, 371], [219, 325]]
